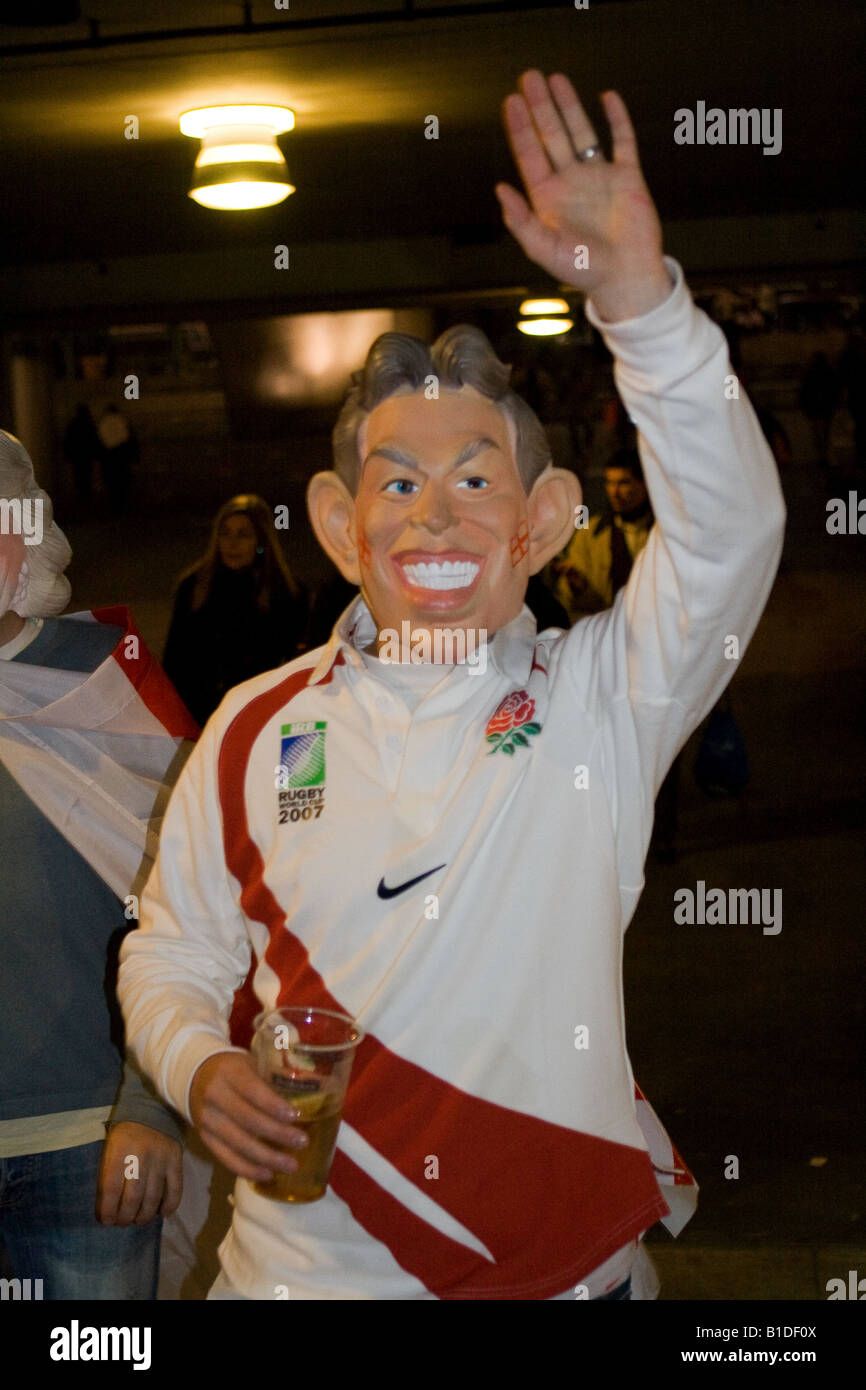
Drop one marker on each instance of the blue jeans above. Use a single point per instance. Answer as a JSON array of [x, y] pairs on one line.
[[49, 1231]]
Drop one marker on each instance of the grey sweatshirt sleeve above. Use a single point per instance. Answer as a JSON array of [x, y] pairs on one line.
[[138, 1102]]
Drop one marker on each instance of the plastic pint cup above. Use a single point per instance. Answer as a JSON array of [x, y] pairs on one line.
[[306, 1055]]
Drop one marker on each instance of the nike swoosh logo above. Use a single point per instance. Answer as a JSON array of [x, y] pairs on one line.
[[410, 883]]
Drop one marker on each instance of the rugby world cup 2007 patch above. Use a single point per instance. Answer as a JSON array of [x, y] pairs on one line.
[[300, 775]]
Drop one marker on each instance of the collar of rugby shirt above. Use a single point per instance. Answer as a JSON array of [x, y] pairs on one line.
[[510, 651]]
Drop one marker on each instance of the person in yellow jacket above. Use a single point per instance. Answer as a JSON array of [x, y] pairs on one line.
[[597, 560]]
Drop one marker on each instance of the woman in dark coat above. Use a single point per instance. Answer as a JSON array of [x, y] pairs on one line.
[[238, 611]]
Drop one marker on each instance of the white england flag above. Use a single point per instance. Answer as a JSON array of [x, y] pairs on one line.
[[98, 753]]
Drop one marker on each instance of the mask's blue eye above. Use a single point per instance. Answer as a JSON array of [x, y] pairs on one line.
[[402, 484]]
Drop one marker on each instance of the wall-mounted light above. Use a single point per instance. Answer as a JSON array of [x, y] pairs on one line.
[[543, 324], [240, 165]]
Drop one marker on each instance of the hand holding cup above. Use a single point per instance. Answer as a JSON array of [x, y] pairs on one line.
[[243, 1121]]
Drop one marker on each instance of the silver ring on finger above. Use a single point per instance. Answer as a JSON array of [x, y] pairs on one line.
[[591, 152]]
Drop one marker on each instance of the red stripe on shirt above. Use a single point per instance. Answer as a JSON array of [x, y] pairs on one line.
[[446, 1267], [549, 1203]]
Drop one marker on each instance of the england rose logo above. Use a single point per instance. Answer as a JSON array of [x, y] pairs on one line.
[[512, 720]]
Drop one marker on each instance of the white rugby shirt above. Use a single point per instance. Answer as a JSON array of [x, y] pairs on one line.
[[486, 1151]]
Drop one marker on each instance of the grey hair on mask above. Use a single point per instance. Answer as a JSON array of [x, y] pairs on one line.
[[462, 356]]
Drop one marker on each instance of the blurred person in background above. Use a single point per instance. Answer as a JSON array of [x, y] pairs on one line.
[[82, 448], [852, 378], [119, 453], [819, 397], [544, 605], [238, 611], [330, 599], [598, 559]]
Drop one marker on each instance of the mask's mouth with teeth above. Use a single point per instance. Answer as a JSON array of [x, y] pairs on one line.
[[440, 576], [447, 576]]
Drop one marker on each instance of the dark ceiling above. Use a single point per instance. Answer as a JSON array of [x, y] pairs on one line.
[[361, 77]]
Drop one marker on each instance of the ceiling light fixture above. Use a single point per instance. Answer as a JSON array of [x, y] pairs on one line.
[[543, 325], [240, 165], [543, 306], [545, 328]]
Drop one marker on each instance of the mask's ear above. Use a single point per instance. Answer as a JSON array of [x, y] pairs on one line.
[[552, 506], [331, 508]]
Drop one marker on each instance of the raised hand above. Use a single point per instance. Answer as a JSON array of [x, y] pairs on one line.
[[605, 207]]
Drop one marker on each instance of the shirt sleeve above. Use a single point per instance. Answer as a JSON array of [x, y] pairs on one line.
[[137, 1102], [653, 665], [179, 970]]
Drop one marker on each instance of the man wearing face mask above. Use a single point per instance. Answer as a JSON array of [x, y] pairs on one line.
[[89, 730], [480, 819]]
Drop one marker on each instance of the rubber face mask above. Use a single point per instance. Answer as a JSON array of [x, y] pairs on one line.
[[441, 514]]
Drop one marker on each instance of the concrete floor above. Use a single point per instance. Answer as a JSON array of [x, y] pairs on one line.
[[748, 1045]]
